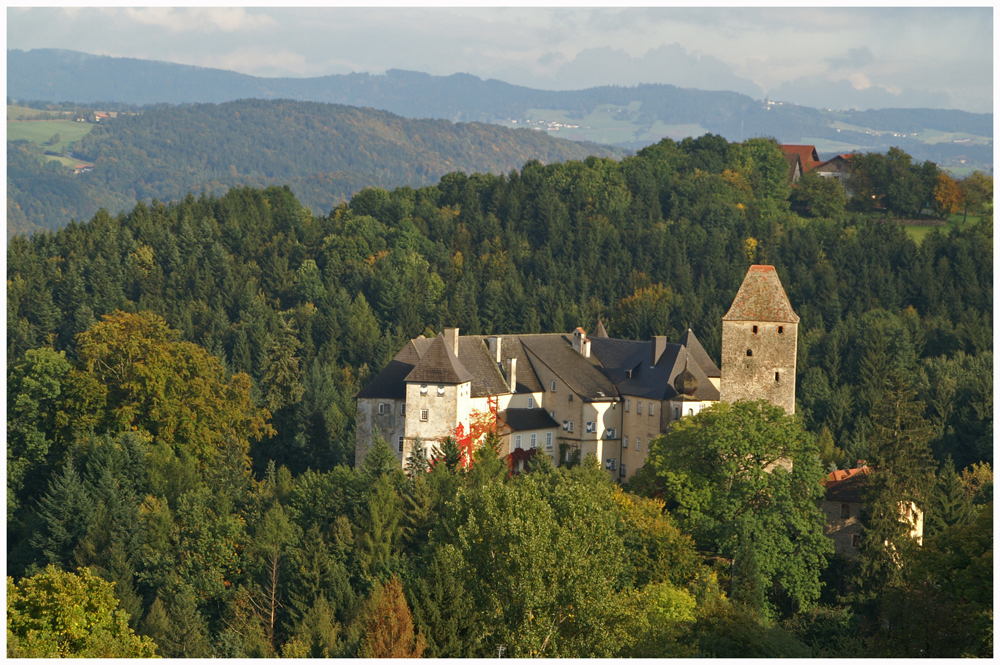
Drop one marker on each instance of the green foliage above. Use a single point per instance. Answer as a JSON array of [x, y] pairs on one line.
[[726, 470], [56, 614], [817, 196]]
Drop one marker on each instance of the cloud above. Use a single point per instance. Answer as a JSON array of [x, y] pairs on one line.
[[204, 19], [670, 64], [855, 58], [822, 92]]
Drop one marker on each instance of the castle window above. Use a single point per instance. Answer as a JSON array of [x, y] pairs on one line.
[[400, 444], [440, 391], [845, 511], [571, 397], [531, 402], [777, 376], [638, 408], [381, 409], [856, 540], [423, 389], [553, 386], [677, 413], [548, 440], [755, 330], [625, 442], [534, 440], [628, 404], [781, 330], [571, 426], [638, 443], [423, 415], [690, 412], [651, 408], [622, 473], [402, 409], [749, 353], [517, 440]]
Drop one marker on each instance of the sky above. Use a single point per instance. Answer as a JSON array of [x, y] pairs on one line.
[[825, 57]]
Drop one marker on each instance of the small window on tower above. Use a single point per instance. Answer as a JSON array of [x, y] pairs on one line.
[[749, 353], [781, 330], [755, 330], [777, 376]]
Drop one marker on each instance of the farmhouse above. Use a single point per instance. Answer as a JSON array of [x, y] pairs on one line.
[[842, 507], [566, 395]]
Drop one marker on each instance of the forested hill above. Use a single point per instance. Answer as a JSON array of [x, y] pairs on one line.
[[180, 418], [325, 152]]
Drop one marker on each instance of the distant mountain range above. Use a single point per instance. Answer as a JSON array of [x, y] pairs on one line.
[[629, 117]]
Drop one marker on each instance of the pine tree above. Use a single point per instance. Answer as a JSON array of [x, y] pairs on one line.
[[451, 455], [949, 504], [67, 514], [902, 476], [379, 530], [442, 608], [416, 461], [487, 466]]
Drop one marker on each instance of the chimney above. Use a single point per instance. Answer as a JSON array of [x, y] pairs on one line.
[[659, 346], [512, 374], [494, 343], [586, 348], [451, 339], [580, 341]]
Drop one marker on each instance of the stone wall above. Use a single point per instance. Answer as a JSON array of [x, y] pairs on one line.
[[842, 530], [769, 371], [390, 425]]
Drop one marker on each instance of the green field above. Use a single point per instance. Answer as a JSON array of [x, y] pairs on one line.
[[23, 112], [40, 131], [918, 233]]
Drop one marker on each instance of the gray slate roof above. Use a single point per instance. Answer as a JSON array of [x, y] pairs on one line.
[[602, 377], [699, 355], [438, 364], [582, 375], [520, 420]]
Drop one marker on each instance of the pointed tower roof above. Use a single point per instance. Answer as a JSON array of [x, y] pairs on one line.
[[438, 364], [601, 330], [761, 298], [699, 355]]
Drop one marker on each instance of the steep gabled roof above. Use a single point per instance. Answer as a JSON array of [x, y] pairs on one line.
[[601, 330], [761, 298], [390, 383], [527, 381], [807, 155], [582, 375], [699, 355], [438, 364], [626, 363], [475, 357]]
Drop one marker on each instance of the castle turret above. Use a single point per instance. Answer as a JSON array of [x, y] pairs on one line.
[[760, 342]]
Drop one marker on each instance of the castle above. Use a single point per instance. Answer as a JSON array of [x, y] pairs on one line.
[[572, 395]]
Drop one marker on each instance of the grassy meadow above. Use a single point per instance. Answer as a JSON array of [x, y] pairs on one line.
[[918, 233], [40, 131]]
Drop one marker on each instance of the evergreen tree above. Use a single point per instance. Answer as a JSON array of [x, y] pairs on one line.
[[901, 477], [416, 461], [443, 609], [948, 504]]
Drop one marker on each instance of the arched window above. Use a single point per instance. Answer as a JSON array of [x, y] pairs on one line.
[[677, 413], [777, 376], [749, 353]]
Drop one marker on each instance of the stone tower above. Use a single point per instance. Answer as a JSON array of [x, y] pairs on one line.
[[759, 342]]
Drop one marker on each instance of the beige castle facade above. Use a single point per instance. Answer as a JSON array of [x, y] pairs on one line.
[[572, 395]]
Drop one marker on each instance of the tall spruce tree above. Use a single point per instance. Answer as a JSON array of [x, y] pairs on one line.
[[901, 477], [948, 504]]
